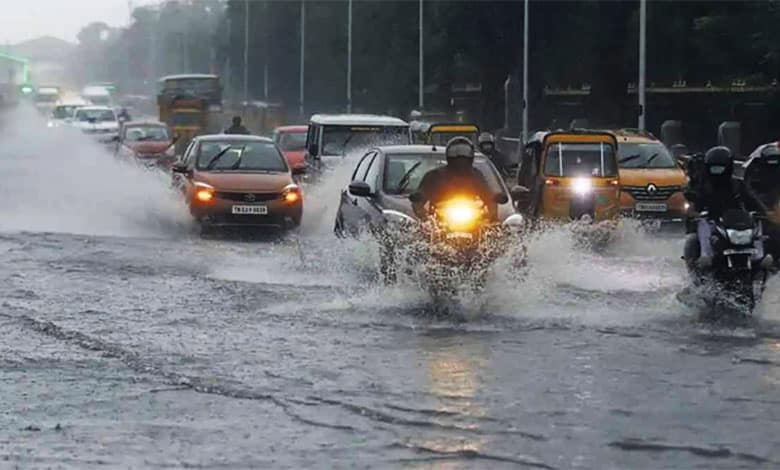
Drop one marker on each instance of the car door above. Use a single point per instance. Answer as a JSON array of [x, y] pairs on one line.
[[350, 213]]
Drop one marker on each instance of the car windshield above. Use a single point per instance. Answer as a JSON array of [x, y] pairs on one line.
[[412, 168], [646, 155], [339, 140], [573, 160], [63, 112], [292, 141], [146, 133], [97, 115], [240, 156]]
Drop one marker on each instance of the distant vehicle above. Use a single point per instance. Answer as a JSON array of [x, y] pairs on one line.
[[441, 133], [238, 180], [148, 143], [332, 137], [292, 141], [98, 95], [190, 105], [651, 181], [64, 111], [46, 98], [98, 121]]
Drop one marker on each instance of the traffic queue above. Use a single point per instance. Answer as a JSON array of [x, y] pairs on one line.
[[448, 184]]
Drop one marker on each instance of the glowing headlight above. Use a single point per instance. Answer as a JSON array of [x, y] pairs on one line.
[[740, 237], [582, 186], [291, 193], [460, 214], [204, 192]]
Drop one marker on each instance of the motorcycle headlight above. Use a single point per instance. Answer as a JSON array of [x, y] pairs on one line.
[[460, 214], [582, 186], [740, 237]]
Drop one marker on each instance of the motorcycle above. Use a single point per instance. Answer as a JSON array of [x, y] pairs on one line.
[[456, 244], [737, 277]]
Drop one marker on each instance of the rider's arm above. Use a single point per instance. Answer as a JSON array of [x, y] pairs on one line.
[[423, 195]]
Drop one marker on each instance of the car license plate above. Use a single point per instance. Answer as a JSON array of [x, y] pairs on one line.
[[651, 207], [250, 210]]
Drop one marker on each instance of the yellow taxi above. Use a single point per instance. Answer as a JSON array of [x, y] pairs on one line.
[[652, 182]]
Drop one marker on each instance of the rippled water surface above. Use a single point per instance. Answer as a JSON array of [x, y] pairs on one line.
[[127, 341]]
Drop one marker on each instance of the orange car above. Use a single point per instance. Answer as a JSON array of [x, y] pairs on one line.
[[652, 183], [238, 180]]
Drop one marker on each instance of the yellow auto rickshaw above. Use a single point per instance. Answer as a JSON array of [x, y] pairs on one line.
[[570, 175], [441, 133]]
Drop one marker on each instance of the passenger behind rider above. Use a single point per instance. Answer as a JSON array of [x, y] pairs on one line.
[[487, 145], [715, 192], [237, 127], [456, 179]]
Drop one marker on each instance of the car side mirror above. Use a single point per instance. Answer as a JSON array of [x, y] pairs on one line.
[[501, 198], [175, 139], [314, 150], [179, 167], [299, 170], [521, 193], [360, 189]]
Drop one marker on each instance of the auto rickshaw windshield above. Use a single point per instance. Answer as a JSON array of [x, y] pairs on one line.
[[581, 160]]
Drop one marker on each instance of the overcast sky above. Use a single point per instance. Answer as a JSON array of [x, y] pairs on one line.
[[27, 19]]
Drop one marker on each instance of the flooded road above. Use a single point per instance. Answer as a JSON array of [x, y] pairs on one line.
[[129, 342]]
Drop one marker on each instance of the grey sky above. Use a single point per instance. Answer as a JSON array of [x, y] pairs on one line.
[[27, 19]]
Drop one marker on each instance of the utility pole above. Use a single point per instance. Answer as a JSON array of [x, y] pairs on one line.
[[349, 58], [525, 73], [421, 97], [642, 61], [303, 62], [265, 53], [246, 51]]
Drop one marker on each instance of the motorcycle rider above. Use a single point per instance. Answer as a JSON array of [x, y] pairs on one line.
[[762, 178], [237, 127], [487, 145], [457, 178], [716, 192], [123, 115]]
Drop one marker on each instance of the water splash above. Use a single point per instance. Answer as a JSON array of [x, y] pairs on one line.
[[59, 180]]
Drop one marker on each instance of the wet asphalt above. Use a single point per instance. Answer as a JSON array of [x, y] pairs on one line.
[[128, 341]]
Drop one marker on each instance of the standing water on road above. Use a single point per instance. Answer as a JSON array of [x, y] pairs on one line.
[[127, 342]]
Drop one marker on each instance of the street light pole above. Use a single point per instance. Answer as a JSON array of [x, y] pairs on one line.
[[421, 97], [246, 51], [642, 61], [303, 62], [525, 73], [265, 54], [349, 58]]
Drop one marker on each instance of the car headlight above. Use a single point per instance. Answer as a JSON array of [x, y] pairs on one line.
[[460, 214], [740, 237], [582, 186], [291, 193], [204, 192], [515, 223], [397, 217]]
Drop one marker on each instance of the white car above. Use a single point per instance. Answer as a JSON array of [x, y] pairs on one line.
[[99, 121], [63, 112]]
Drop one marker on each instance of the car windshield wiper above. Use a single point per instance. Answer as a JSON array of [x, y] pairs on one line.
[[238, 160], [213, 160], [629, 158], [346, 141], [404, 181]]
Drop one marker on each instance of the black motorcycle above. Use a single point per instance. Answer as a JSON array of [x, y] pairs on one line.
[[737, 277]]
